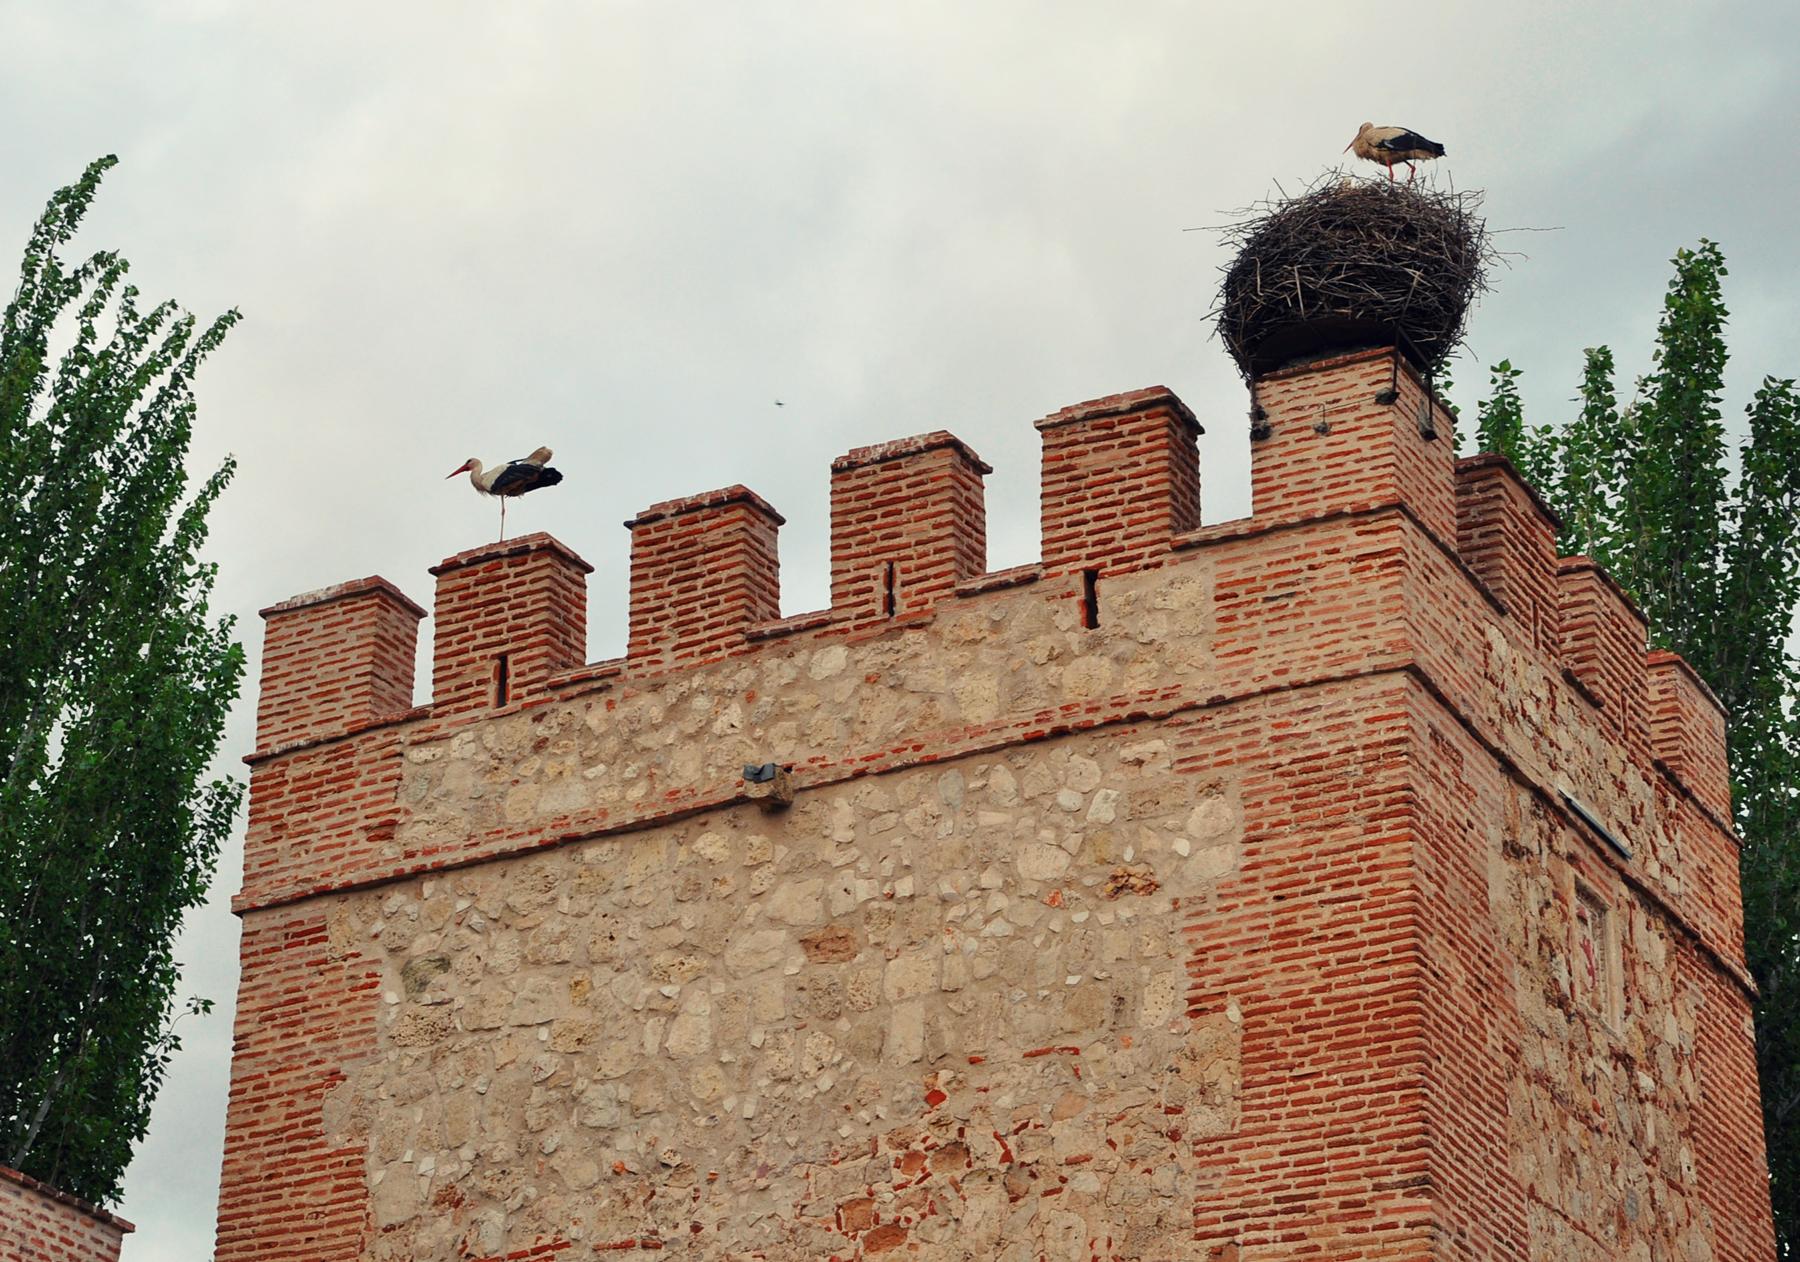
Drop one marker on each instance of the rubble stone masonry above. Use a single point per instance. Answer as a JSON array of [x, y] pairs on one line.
[[1342, 882]]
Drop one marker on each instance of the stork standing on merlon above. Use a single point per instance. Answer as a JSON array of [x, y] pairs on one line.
[[515, 477]]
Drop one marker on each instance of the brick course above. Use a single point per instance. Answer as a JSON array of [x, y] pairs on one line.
[[532, 973]]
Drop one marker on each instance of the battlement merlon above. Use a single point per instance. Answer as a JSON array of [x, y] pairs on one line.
[[1687, 730], [335, 659], [1352, 434], [1604, 638], [908, 524], [704, 569], [1121, 479], [510, 615], [1507, 535]]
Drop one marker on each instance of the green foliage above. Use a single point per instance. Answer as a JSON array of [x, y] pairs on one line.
[[113, 692], [1586, 458], [1673, 524], [1761, 687], [1500, 418], [1716, 567], [1500, 425]]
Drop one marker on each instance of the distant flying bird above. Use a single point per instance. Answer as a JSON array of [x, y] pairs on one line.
[[1389, 145], [780, 404], [515, 477]]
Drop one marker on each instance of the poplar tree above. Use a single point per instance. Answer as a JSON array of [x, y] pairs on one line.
[[1715, 565], [114, 686]]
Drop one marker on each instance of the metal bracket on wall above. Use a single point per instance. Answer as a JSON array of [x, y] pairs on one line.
[[1427, 414], [1387, 398], [1426, 419]]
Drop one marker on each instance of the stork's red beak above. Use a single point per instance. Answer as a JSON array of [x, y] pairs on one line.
[[461, 468], [1347, 147]]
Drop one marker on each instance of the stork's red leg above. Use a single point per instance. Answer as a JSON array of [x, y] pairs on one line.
[[1390, 167], [502, 519], [1410, 172]]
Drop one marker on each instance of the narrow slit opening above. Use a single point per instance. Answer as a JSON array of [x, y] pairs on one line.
[[1090, 599], [502, 680], [888, 604]]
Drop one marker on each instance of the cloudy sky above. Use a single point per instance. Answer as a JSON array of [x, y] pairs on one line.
[[625, 230]]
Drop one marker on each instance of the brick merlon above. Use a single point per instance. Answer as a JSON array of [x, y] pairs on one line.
[[9, 1175], [343, 591], [1145, 400], [1576, 564], [1494, 460], [708, 499], [900, 448], [1666, 657], [539, 542]]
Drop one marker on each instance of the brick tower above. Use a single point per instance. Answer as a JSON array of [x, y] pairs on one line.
[[1340, 882]]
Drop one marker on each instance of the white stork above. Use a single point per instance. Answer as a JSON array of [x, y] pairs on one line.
[[1389, 145], [515, 477]]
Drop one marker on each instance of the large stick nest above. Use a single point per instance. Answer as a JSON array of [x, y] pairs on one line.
[[1352, 263]]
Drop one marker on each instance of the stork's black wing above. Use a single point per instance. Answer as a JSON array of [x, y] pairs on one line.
[[1407, 141], [518, 478]]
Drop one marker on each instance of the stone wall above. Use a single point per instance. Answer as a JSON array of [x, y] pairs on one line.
[[945, 1007]]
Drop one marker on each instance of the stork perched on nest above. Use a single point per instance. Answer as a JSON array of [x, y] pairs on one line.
[[515, 477], [1390, 145]]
